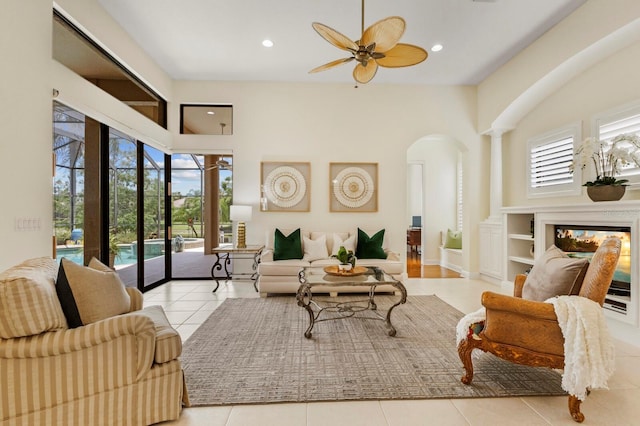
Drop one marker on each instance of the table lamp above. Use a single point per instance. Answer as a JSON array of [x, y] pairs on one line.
[[240, 214]]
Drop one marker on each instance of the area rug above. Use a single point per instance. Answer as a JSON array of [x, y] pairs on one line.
[[252, 351]]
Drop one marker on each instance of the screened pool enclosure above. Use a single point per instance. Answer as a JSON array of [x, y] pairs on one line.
[[130, 200]]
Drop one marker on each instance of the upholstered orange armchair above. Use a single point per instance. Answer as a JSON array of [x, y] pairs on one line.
[[527, 332]]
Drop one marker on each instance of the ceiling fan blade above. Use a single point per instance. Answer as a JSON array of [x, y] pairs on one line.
[[331, 64], [334, 37], [385, 33], [403, 55], [364, 74], [208, 169]]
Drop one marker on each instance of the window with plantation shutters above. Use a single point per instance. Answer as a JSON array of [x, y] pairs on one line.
[[612, 123], [549, 163]]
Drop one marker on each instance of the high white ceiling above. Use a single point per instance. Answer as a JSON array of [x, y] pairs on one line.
[[221, 39]]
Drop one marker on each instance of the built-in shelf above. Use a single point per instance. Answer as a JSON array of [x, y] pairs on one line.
[[524, 260], [519, 244], [525, 237]]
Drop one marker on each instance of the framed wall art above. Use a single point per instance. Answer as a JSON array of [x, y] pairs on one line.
[[285, 186], [353, 187]]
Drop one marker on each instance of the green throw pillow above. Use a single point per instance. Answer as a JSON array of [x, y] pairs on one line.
[[370, 247], [289, 247], [454, 239]]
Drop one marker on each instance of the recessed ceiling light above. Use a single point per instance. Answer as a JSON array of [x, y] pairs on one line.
[[211, 112], [267, 43], [436, 48]]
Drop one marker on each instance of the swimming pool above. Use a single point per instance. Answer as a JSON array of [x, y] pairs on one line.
[[76, 255]]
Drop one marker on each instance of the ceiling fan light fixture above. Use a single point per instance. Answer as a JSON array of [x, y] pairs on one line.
[[436, 47], [378, 46]]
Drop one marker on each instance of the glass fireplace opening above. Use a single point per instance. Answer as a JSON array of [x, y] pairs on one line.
[[582, 241]]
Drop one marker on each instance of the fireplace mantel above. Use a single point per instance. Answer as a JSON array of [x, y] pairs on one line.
[[582, 207]]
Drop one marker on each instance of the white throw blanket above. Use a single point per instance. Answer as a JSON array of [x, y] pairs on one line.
[[588, 350]]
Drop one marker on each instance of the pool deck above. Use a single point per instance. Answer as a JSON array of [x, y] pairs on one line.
[[190, 263]]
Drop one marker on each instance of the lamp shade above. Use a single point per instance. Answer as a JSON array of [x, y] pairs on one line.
[[240, 213]]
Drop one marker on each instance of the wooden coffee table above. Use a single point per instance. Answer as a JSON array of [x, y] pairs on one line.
[[371, 278]]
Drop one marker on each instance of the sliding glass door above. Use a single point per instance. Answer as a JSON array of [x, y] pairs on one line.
[[198, 180], [153, 224], [110, 202], [187, 223], [116, 198], [68, 183], [123, 206]]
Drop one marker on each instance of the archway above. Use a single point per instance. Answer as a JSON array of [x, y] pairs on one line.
[[435, 169]]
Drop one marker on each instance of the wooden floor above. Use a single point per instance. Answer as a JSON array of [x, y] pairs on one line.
[[416, 270]]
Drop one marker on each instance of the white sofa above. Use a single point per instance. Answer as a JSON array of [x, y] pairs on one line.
[[281, 276]]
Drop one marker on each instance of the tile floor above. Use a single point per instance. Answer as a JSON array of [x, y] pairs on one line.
[[189, 303]]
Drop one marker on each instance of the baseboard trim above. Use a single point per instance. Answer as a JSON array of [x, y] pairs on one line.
[[491, 280]]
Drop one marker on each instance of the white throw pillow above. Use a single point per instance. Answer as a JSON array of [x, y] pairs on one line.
[[349, 243], [314, 249]]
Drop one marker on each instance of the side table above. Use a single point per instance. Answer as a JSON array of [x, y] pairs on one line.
[[225, 252]]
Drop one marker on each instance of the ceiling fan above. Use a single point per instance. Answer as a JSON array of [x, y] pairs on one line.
[[222, 165], [378, 46]]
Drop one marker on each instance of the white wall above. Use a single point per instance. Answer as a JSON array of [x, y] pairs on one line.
[[554, 51], [323, 123], [414, 189], [25, 111], [317, 123], [94, 21], [76, 92], [610, 83], [439, 154], [27, 78], [273, 121]]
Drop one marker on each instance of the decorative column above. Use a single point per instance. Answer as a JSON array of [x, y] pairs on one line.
[[211, 203], [495, 178], [491, 240]]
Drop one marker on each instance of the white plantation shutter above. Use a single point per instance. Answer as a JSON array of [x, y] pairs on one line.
[[550, 163], [627, 121], [550, 158]]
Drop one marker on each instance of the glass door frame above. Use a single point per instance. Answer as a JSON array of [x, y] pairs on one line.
[[105, 207]]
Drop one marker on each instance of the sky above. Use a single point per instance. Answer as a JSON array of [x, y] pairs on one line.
[[189, 177]]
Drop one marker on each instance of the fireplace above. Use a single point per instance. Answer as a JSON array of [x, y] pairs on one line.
[[523, 244], [588, 224], [583, 240]]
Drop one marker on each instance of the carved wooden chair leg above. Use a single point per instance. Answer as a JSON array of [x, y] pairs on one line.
[[574, 409], [465, 348]]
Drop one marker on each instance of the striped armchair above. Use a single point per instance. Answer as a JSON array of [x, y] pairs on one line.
[[122, 370]]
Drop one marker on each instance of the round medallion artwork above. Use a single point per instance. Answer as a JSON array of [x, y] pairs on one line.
[[353, 187], [285, 186]]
